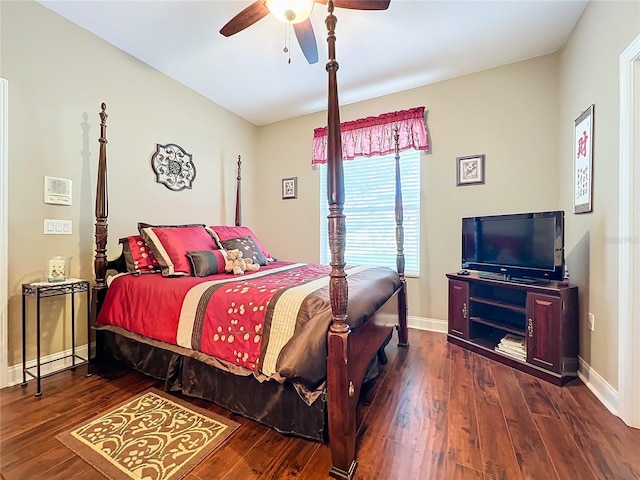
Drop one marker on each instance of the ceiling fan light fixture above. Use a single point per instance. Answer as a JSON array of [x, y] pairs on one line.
[[290, 11]]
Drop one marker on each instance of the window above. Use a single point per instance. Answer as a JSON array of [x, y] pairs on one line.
[[370, 185]]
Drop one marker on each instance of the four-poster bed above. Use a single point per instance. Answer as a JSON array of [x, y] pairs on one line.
[[305, 399]]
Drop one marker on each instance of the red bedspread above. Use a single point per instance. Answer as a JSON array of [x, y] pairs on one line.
[[244, 320]]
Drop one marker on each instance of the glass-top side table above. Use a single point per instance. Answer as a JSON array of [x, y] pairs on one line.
[[45, 289]]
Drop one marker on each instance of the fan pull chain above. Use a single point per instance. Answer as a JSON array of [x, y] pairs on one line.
[[287, 40]]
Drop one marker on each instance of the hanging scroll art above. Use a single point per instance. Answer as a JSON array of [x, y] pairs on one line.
[[583, 162]]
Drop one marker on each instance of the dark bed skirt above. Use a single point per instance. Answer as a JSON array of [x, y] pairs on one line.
[[271, 403]]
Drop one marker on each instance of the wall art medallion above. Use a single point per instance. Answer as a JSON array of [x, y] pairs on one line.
[[173, 167]]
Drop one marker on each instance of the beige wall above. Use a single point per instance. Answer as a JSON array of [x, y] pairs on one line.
[[589, 74], [58, 75], [520, 116], [508, 113]]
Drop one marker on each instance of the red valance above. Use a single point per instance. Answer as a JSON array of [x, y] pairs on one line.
[[371, 136]]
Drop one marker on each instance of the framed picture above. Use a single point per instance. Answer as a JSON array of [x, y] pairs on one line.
[[289, 188], [470, 170], [583, 161]]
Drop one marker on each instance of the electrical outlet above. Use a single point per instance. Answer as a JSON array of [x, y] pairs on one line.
[[591, 321]]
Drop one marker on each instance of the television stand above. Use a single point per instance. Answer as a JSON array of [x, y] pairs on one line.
[[530, 327]]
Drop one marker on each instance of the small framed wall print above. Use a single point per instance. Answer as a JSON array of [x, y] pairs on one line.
[[289, 188], [470, 170], [583, 161]]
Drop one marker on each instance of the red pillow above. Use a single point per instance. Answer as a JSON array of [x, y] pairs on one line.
[[170, 246], [230, 233], [138, 256]]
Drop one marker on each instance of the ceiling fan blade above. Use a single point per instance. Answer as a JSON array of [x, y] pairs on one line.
[[307, 40], [245, 18], [359, 4]]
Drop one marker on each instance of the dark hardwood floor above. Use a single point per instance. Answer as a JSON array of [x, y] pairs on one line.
[[436, 412]]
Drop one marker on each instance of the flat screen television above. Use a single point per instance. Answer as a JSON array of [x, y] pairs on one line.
[[518, 246]]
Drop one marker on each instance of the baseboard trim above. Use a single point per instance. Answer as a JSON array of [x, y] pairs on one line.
[[429, 324], [58, 362], [604, 392]]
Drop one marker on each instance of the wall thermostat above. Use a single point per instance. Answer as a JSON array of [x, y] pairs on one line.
[[57, 191]]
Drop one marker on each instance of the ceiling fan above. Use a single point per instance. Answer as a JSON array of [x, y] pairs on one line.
[[295, 12]]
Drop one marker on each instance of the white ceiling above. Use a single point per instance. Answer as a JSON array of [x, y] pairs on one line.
[[413, 43]]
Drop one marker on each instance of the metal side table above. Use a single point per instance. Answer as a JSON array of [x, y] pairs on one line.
[[42, 290]]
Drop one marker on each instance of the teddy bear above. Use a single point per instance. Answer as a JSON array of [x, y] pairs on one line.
[[238, 265]]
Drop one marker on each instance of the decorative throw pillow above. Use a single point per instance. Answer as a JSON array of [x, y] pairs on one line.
[[207, 262], [142, 225], [223, 233], [248, 248], [170, 245], [138, 256]]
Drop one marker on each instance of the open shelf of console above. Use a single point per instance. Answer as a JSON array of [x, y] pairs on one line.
[[496, 325], [542, 318]]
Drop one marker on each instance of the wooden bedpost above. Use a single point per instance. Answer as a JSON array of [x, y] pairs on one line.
[[102, 212], [102, 205], [341, 395], [239, 194], [403, 334]]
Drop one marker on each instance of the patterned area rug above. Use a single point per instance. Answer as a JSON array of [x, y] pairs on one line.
[[153, 436]]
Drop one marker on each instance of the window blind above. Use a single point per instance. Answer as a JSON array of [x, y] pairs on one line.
[[370, 211]]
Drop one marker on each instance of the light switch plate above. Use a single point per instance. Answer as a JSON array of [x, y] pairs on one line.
[[57, 227]]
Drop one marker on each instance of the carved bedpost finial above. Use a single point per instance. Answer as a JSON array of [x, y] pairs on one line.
[[103, 123], [239, 193], [331, 22]]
